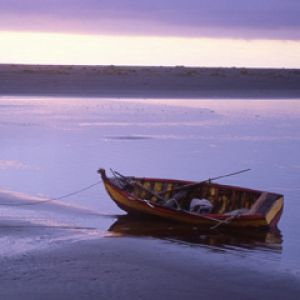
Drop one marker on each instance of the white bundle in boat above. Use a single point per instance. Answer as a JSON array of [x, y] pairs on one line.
[[200, 206]]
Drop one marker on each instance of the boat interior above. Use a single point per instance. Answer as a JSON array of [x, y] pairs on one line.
[[224, 199]]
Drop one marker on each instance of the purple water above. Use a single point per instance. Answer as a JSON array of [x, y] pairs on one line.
[[53, 146]]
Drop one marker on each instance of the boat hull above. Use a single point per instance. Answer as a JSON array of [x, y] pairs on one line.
[[134, 205]]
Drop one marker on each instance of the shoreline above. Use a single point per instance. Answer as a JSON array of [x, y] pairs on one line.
[[149, 82]]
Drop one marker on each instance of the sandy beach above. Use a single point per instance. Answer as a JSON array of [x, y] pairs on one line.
[[83, 247], [129, 268], [149, 82]]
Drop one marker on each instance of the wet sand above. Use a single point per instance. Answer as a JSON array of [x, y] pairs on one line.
[[149, 82], [130, 268]]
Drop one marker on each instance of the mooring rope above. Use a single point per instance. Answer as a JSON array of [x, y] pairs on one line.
[[53, 199]]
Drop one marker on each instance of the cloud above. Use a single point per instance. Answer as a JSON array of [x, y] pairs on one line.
[[273, 19]]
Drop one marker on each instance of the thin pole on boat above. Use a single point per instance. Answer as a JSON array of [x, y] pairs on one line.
[[228, 175], [209, 180]]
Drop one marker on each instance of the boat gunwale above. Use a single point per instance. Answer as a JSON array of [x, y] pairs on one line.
[[239, 188]]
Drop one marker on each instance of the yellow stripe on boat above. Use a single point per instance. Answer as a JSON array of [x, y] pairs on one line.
[[275, 209]]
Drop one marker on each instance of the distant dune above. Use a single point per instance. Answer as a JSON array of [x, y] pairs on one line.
[[149, 82]]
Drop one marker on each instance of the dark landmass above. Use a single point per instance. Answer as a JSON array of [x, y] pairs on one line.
[[149, 82]]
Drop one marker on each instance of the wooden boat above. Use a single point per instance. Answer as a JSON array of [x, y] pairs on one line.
[[232, 206]]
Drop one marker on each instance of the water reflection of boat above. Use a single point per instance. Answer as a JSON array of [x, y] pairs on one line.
[[231, 206], [149, 226]]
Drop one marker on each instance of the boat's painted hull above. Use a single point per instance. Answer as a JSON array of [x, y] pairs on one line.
[[131, 204]]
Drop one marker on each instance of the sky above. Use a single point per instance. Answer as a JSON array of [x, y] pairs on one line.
[[252, 33]]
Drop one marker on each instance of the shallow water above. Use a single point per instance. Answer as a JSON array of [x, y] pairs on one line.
[[53, 146]]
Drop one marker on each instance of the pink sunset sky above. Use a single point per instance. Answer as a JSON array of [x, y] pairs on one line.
[[257, 33]]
